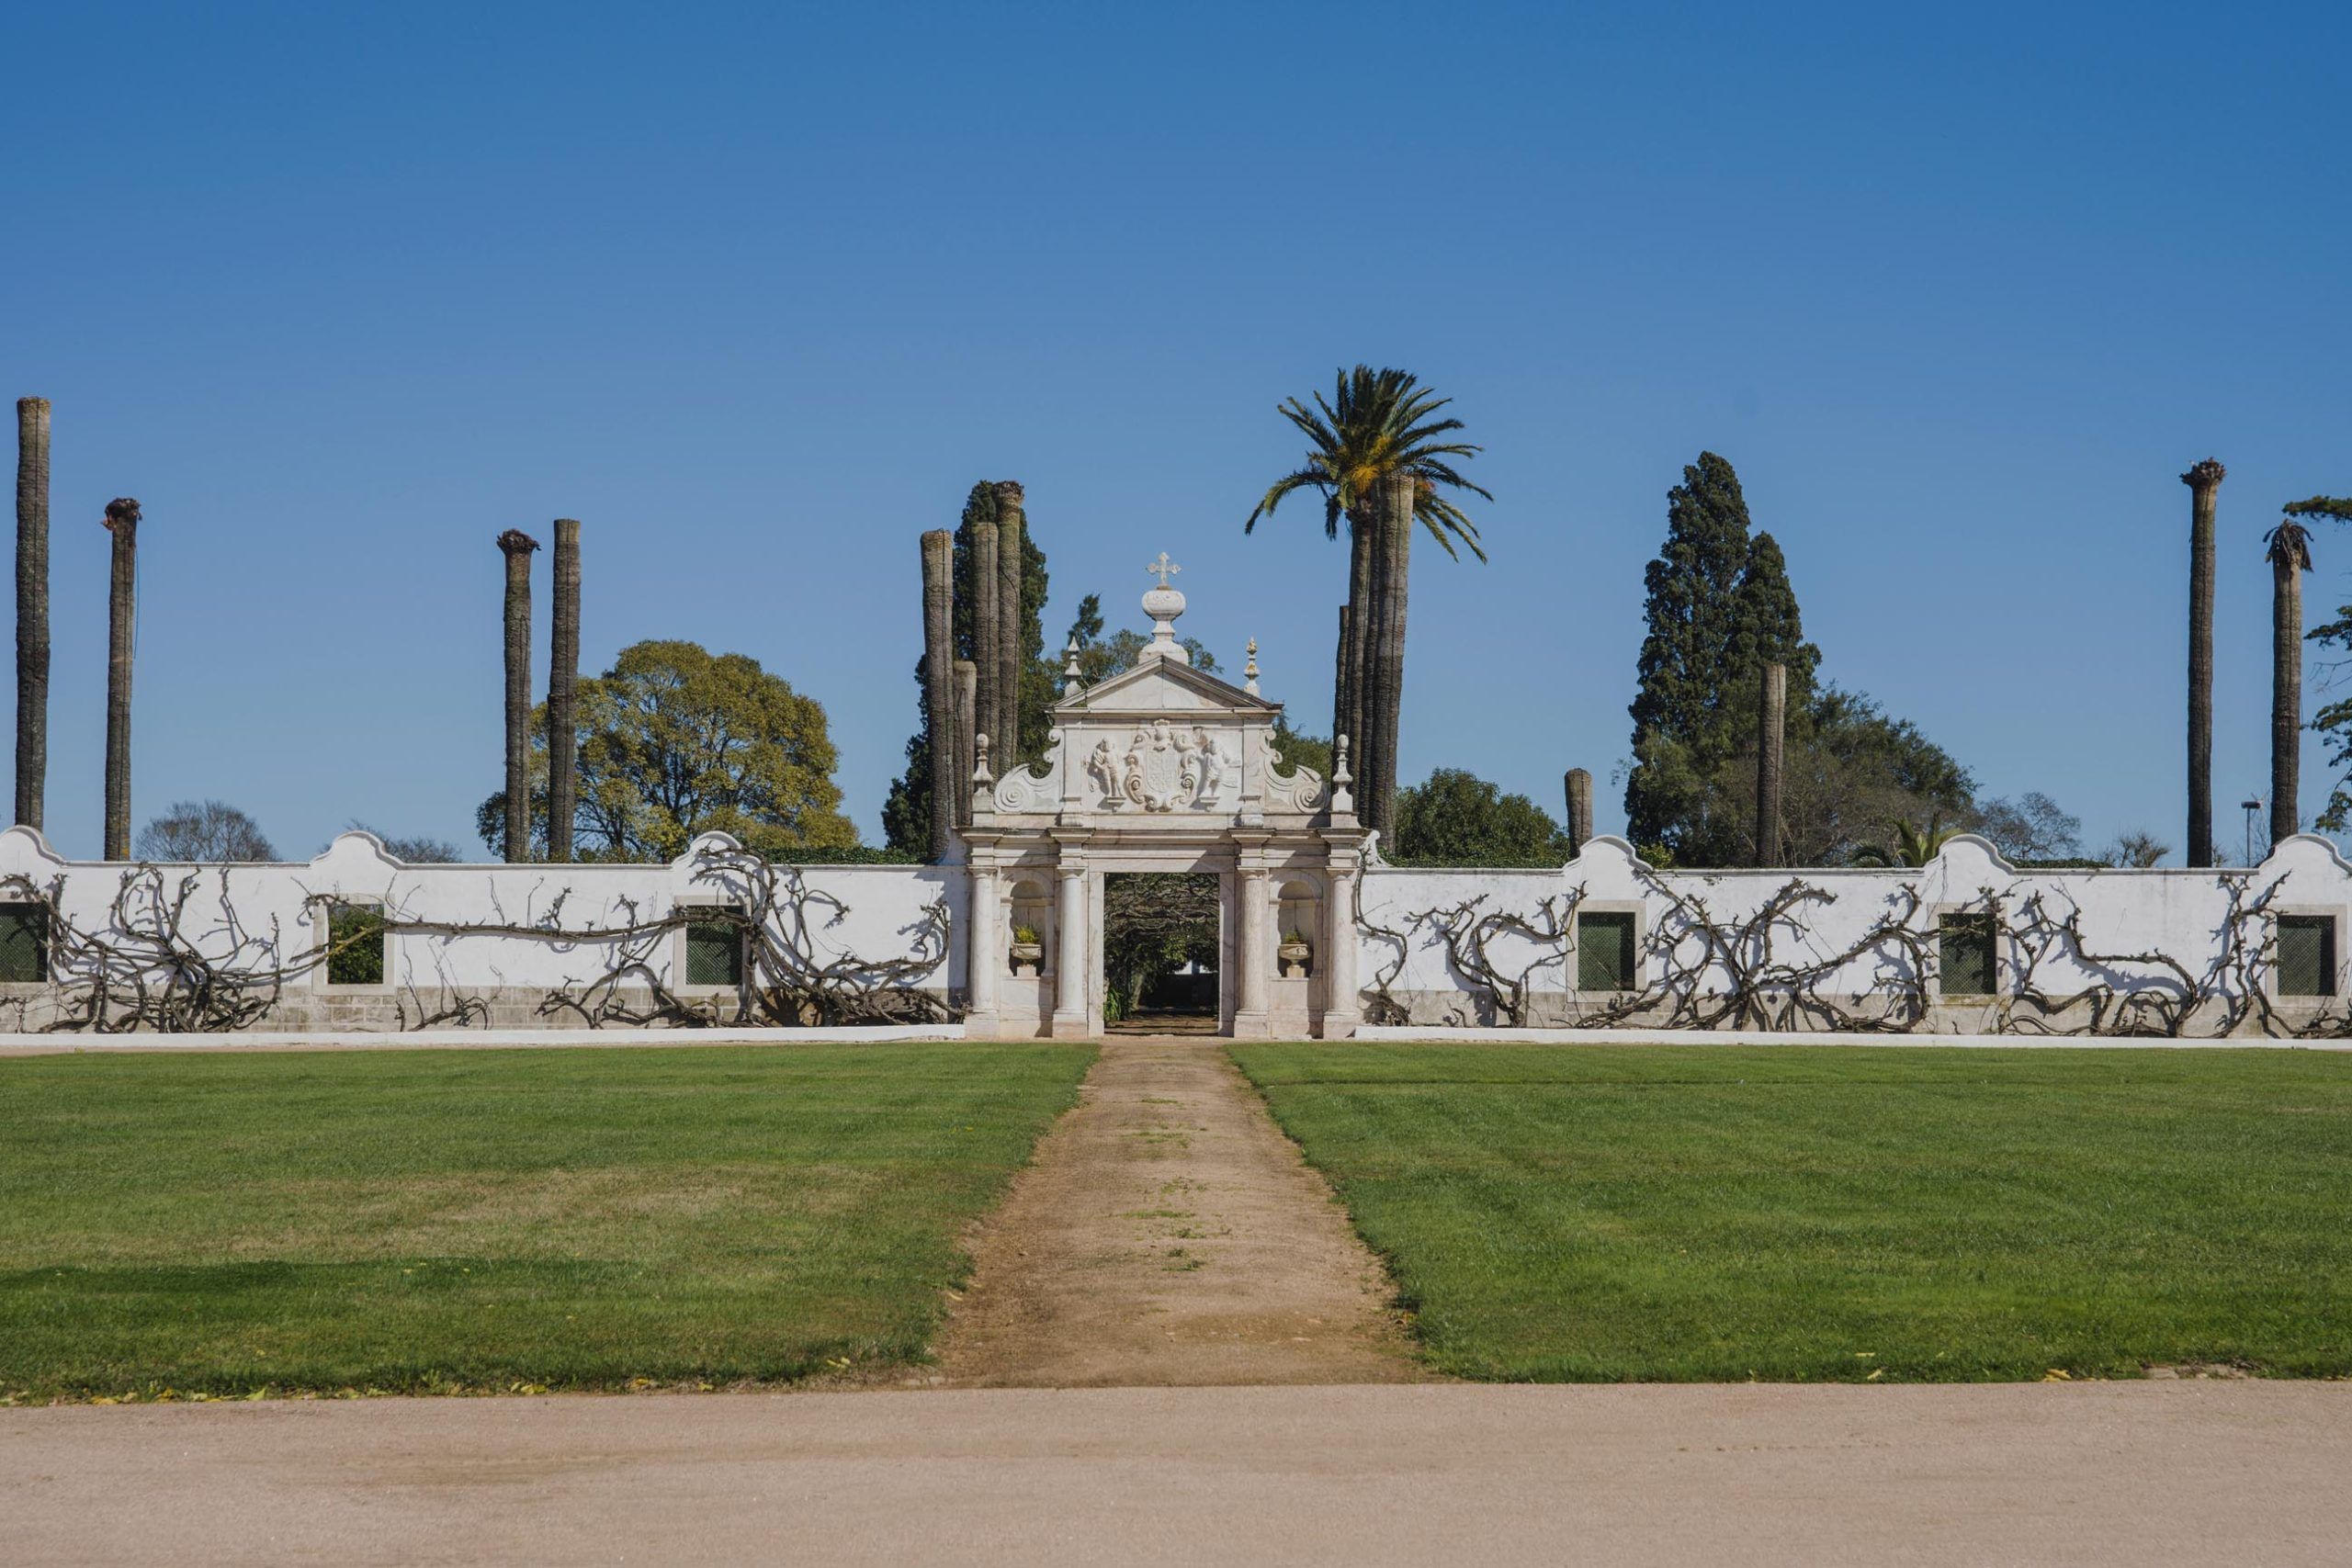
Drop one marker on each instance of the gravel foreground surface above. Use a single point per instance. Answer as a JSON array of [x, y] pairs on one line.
[[2141, 1474]]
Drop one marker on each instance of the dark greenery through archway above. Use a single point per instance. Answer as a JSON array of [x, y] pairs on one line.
[[1160, 948]]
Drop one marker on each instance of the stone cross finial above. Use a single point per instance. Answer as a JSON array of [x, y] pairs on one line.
[[1163, 604], [1163, 569]]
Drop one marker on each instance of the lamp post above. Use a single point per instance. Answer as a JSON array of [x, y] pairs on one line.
[[2252, 805]]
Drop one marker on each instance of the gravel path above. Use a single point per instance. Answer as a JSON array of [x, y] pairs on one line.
[[1167, 1234], [2143, 1473]]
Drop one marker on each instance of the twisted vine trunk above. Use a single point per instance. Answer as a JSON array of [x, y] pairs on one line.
[[1771, 716], [517, 545], [1579, 784], [1011, 522], [987, 634], [563, 693], [32, 607], [938, 684], [1383, 701], [2289, 558], [2203, 482], [122, 611]]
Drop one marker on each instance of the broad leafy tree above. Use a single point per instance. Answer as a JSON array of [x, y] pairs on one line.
[[675, 740], [1456, 818]]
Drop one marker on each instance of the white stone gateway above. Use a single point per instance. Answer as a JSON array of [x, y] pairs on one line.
[[1163, 768]]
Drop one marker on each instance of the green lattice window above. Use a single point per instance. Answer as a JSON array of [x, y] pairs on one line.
[[1964, 960], [354, 944], [714, 950], [24, 942], [1605, 951], [2307, 955]]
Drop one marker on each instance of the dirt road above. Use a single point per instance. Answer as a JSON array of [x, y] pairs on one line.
[[2146, 1474], [1167, 1234]]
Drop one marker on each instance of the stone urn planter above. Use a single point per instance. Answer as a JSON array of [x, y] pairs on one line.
[[1028, 953], [1295, 952]]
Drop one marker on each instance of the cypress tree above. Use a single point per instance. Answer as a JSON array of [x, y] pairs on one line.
[[1721, 609], [1690, 646]]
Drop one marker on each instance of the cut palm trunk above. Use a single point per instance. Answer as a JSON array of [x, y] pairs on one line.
[[938, 684], [2204, 482], [517, 547], [563, 693], [122, 613], [2291, 556], [32, 607], [1011, 522]]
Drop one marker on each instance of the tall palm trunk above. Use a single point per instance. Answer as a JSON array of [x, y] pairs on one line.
[[1011, 522], [517, 545], [122, 611], [967, 724], [1342, 673], [1578, 783], [1771, 714], [563, 693], [2289, 558], [1385, 651], [988, 634], [939, 683], [32, 607], [2203, 480], [1355, 631]]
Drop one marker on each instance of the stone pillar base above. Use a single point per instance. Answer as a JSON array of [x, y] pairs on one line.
[[1070, 1028], [1252, 1026], [1337, 1029], [982, 1026]]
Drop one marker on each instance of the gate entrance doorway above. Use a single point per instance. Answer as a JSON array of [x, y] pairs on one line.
[[1162, 940]]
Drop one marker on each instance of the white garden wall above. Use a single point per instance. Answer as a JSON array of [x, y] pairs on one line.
[[480, 946], [2078, 951]]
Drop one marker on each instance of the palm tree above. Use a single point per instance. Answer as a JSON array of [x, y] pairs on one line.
[[2203, 480], [1913, 846], [32, 607], [563, 693], [517, 545], [1377, 427], [122, 609]]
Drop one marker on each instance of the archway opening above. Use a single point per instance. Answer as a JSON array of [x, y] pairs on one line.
[[1160, 937]]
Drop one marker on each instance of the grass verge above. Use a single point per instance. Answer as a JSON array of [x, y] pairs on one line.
[[457, 1221], [1784, 1212]]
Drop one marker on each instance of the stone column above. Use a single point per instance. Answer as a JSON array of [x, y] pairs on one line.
[[983, 954], [1071, 951], [1343, 1009], [1255, 957]]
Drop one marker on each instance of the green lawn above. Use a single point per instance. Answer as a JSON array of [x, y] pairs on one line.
[[416, 1220], [1590, 1213]]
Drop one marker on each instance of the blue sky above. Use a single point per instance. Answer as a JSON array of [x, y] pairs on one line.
[[757, 292]]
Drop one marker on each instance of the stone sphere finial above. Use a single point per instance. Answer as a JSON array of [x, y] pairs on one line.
[[1163, 604]]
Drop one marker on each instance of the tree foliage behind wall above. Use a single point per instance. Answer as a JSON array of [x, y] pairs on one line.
[[1721, 606], [1456, 818], [675, 740]]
